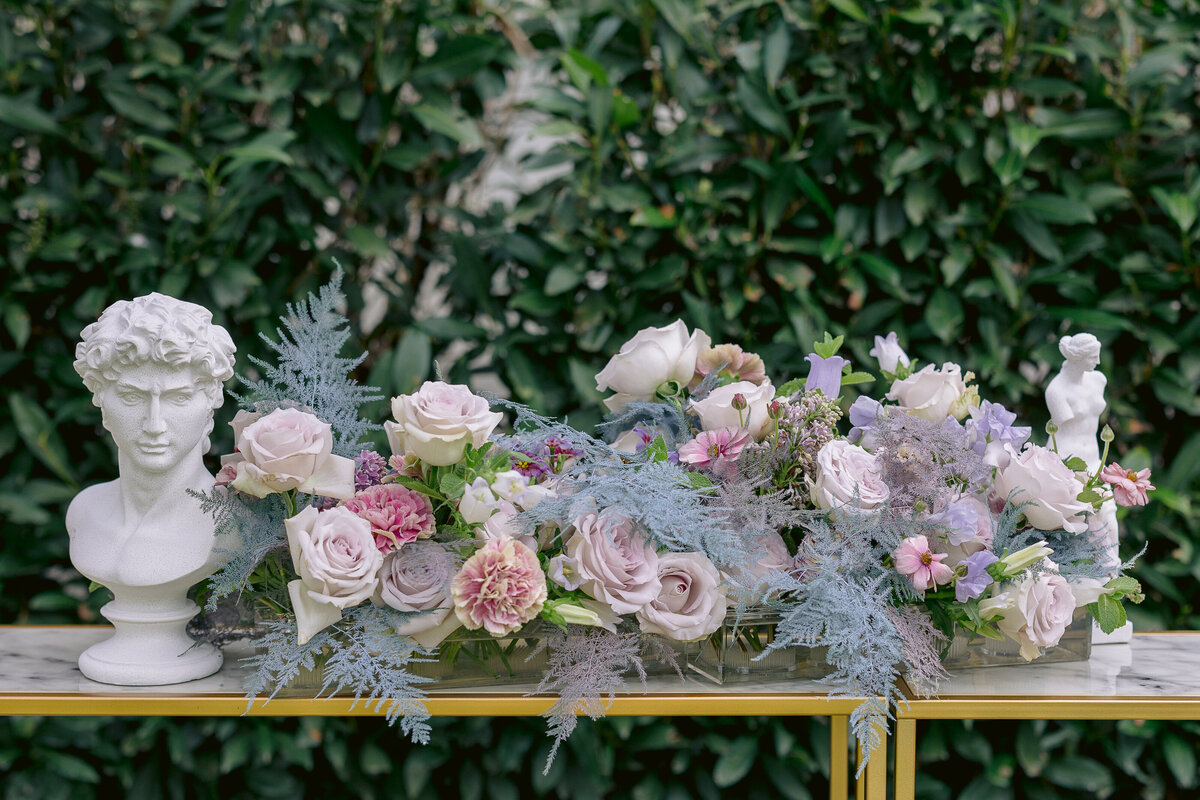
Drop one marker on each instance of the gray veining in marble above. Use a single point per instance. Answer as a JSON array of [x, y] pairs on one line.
[[38, 660]]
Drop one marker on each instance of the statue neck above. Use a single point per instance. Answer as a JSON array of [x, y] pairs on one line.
[[1074, 369], [141, 491]]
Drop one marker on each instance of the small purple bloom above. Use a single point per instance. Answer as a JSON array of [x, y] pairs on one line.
[[977, 578], [558, 446], [992, 422], [528, 464], [863, 413], [825, 374], [369, 467], [961, 521], [564, 571], [646, 436]]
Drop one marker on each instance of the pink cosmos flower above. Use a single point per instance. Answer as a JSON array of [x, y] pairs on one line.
[[499, 588], [1129, 487], [923, 567], [714, 449], [397, 514]]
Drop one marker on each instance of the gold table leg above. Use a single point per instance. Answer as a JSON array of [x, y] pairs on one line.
[[839, 765], [906, 759], [873, 783]]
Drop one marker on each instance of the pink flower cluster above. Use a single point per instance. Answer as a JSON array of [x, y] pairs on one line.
[[398, 515], [499, 588]]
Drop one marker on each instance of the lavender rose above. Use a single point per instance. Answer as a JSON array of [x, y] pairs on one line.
[[334, 554], [416, 578], [842, 470], [691, 603], [438, 421], [1034, 612], [1039, 478], [717, 411], [289, 449], [773, 556], [615, 563]]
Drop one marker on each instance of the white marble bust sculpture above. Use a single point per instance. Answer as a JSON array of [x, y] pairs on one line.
[[155, 366], [1075, 398]]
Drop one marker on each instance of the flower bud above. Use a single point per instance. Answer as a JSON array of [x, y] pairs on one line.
[[775, 410], [1014, 563], [1107, 435], [1051, 428], [738, 403]]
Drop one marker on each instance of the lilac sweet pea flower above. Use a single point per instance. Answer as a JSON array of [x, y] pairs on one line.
[[993, 434], [825, 374], [977, 578], [863, 413]]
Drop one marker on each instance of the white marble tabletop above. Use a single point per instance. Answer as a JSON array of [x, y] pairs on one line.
[[42, 660], [1159, 665]]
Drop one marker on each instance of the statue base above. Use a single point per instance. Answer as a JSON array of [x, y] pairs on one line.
[[1121, 635], [150, 648]]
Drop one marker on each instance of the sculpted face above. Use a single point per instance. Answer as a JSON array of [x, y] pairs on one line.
[[156, 413]]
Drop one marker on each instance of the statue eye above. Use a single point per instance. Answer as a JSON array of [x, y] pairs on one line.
[[180, 398], [130, 398]]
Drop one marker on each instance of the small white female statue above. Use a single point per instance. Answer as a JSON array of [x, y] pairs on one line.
[[155, 366], [1075, 398]]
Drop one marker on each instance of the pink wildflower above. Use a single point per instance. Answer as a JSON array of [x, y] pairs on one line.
[[1129, 487], [923, 567], [397, 514], [715, 448], [736, 364], [499, 588]]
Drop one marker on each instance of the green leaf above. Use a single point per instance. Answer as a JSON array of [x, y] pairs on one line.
[[411, 360], [812, 190], [776, 49], [39, 434], [1179, 207], [1108, 613], [735, 763], [850, 9], [127, 102], [657, 449], [22, 112], [1180, 755], [654, 217], [452, 485], [761, 106], [1082, 774], [1056, 209], [944, 314], [16, 320], [582, 70], [452, 123], [1036, 235], [71, 767], [265, 148], [562, 278]]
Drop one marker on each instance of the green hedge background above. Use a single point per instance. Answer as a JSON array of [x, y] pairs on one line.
[[981, 176]]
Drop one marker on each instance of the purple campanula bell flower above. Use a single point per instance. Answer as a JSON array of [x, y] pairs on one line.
[[863, 413], [825, 374]]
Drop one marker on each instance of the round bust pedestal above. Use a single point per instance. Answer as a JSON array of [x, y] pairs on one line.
[[150, 647]]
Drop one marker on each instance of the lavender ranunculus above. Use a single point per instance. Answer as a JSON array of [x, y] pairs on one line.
[[993, 434], [825, 374], [966, 520], [977, 579]]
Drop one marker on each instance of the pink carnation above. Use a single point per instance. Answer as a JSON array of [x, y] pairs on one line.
[[397, 514], [915, 561], [714, 449], [1129, 487], [499, 588]]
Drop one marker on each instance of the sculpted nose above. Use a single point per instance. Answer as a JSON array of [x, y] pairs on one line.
[[155, 423]]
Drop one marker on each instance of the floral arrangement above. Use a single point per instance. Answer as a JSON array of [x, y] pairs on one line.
[[718, 493]]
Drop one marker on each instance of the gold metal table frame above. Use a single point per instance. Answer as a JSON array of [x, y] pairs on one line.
[[41, 678]]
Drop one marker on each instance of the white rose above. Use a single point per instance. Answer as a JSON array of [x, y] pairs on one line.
[[844, 469], [717, 411], [691, 603], [438, 421], [932, 394], [648, 360], [334, 554], [1039, 478], [889, 353]]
